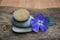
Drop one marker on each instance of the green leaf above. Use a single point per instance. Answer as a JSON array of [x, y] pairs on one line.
[[52, 21]]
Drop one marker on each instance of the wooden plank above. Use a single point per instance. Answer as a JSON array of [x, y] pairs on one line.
[[0, 1], [32, 3], [6, 33]]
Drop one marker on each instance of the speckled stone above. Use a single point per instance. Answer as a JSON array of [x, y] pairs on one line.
[[21, 14], [21, 30], [23, 24]]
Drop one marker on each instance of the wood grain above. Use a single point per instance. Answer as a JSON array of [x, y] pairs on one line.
[[0, 1], [6, 33], [32, 3]]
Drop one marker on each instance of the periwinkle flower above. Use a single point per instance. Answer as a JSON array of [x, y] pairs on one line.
[[39, 23]]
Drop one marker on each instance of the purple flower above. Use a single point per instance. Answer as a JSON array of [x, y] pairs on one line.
[[40, 22]]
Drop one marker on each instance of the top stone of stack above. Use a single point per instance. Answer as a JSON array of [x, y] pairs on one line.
[[21, 14]]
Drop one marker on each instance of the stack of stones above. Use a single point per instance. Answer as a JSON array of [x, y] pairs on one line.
[[21, 21]]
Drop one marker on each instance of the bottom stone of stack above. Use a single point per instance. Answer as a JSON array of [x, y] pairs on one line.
[[21, 30]]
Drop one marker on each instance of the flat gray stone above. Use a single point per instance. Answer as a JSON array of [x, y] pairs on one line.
[[21, 30], [24, 24]]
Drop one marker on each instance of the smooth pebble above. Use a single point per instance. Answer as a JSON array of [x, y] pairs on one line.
[[21, 30]]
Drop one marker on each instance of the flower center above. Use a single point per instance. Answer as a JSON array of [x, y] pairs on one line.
[[40, 22]]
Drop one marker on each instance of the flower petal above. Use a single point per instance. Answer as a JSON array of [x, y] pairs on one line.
[[46, 21], [33, 21], [43, 28], [35, 28], [39, 16]]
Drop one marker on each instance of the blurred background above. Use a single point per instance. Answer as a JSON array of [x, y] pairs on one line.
[[40, 4]]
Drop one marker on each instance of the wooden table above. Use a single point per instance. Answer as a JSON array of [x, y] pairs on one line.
[[6, 33]]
